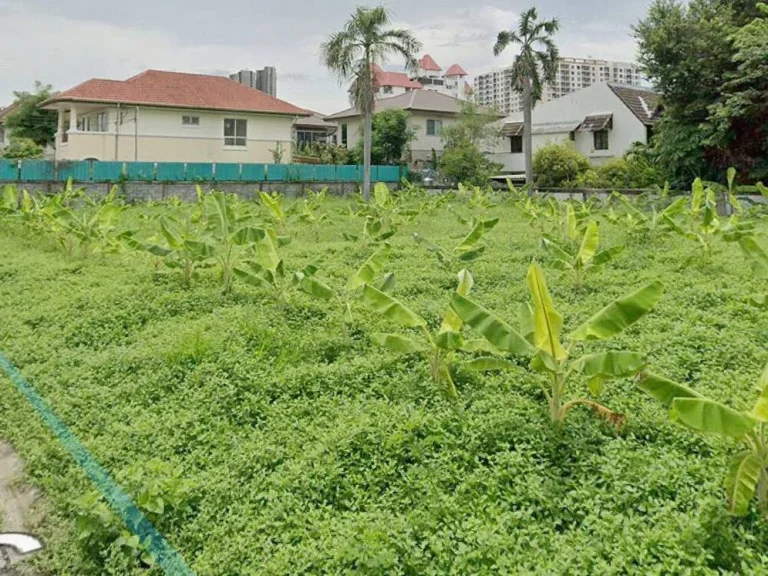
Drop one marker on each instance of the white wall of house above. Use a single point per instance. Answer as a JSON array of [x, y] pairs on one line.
[[573, 108], [161, 135]]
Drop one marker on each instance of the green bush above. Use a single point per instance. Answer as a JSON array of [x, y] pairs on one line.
[[21, 148], [559, 165]]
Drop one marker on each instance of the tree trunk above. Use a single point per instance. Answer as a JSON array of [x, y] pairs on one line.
[[527, 127], [367, 138]]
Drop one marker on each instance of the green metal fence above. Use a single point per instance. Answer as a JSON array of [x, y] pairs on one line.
[[92, 171]]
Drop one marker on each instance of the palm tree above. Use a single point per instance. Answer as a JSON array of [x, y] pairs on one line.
[[536, 63], [352, 54]]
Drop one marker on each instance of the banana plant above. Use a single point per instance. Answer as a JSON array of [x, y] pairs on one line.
[[374, 232], [583, 259], [231, 239], [757, 258], [747, 474], [468, 249], [389, 210], [658, 222], [92, 230], [274, 210], [185, 248], [437, 348], [348, 294], [309, 214], [539, 339], [264, 268]]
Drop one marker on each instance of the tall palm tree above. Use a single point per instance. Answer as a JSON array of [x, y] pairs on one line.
[[352, 54], [535, 63]]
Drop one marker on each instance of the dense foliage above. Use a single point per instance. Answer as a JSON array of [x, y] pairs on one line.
[[266, 431], [29, 121], [708, 59], [464, 144], [390, 139]]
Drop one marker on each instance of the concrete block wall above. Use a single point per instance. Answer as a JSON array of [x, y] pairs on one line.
[[187, 191]]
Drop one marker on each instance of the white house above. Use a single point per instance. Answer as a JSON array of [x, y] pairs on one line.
[[5, 137], [430, 112], [602, 120], [172, 117]]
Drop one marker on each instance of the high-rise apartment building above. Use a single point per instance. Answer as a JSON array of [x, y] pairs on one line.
[[494, 89], [264, 79]]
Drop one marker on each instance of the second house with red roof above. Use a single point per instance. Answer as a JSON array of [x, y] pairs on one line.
[[173, 117]]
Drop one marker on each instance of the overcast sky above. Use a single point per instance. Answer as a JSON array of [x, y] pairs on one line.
[[64, 42]]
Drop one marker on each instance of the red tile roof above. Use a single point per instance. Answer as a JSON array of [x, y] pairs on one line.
[[456, 70], [428, 63], [178, 90], [395, 79], [468, 90]]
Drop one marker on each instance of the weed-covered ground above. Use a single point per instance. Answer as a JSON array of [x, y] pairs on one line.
[[282, 442]]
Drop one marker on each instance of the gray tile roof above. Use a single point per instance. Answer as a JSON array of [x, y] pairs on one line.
[[415, 100], [643, 102]]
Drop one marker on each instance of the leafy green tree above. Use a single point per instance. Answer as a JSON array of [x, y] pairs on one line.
[[29, 120], [707, 58], [536, 63], [352, 53], [21, 148], [740, 117], [390, 137], [463, 159]]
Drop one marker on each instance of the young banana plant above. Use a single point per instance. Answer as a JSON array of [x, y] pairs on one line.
[[470, 248], [93, 229], [265, 268], [348, 294], [310, 214], [747, 474], [587, 256], [437, 348], [539, 339], [231, 238], [757, 258], [185, 248], [373, 233], [274, 210]]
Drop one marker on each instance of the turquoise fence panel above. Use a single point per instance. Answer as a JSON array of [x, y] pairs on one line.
[[324, 172], [388, 174], [140, 170], [170, 171], [9, 170], [200, 171], [293, 172], [349, 173], [277, 172], [36, 170], [107, 171], [253, 172], [78, 171], [227, 172]]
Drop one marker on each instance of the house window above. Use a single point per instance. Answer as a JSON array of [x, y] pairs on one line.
[[387, 89], [434, 127], [601, 139], [235, 132], [343, 134], [516, 144], [190, 120], [100, 124]]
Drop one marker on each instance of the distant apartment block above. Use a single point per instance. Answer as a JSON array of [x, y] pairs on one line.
[[264, 79], [494, 89]]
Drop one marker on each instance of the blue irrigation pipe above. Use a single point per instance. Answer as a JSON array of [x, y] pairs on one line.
[[122, 504]]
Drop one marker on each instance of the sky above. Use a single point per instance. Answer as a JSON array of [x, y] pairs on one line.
[[63, 43]]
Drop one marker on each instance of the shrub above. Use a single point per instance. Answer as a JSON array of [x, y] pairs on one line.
[[465, 163], [559, 165], [22, 148]]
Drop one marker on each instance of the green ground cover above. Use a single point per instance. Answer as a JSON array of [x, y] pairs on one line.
[[271, 438]]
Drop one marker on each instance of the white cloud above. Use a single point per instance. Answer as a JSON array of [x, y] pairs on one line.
[[67, 51]]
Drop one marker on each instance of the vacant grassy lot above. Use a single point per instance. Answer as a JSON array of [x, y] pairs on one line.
[[280, 441]]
